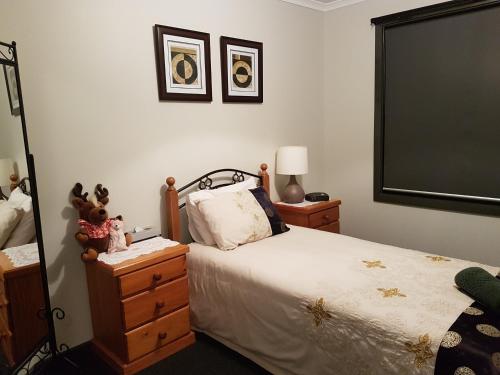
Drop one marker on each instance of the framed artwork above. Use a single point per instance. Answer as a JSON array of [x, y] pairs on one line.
[[11, 82], [241, 63], [183, 64]]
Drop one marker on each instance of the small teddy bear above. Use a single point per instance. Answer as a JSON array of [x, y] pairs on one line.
[[117, 239]]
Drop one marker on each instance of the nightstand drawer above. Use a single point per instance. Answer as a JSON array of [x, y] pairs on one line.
[[152, 304], [150, 277], [324, 217], [332, 227], [157, 333]]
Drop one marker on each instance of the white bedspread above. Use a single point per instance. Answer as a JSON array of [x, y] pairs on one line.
[[311, 302]]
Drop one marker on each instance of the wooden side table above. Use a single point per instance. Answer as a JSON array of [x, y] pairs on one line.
[[140, 309], [21, 298], [321, 215]]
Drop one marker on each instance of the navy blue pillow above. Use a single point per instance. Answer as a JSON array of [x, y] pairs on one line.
[[278, 226]]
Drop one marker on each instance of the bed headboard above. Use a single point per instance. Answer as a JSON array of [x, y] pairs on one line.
[[205, 182], [14, 183], [23, 184]]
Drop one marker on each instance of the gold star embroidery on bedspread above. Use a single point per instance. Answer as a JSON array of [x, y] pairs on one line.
[[392, 292], [319, 311], [422, 350], [438, 258], [373, 264]]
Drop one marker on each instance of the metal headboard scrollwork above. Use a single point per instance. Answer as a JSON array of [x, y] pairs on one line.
[[23, 186], [7, 54], [14, 183], [206, 182]]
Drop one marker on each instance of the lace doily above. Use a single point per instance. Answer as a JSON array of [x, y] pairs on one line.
[[23, 255], [137, 249]]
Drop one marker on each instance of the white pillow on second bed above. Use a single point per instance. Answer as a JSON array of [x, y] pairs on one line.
[[198, 227], [24, 232], [9, 218], [19, 200]]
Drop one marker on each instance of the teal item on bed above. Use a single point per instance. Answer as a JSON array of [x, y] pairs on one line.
[[480, 285]]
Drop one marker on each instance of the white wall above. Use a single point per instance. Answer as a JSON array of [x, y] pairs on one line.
[[89, 80], [349, 120]]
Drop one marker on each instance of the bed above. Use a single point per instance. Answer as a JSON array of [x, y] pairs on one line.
[[312, 302]]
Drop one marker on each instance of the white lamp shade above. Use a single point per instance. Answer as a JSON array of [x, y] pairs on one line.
[[292, 160], [6, 170]]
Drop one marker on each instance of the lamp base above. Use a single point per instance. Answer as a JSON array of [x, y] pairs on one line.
[[293, 192]]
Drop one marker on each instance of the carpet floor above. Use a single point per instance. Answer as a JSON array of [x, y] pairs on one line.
[[205, 357]]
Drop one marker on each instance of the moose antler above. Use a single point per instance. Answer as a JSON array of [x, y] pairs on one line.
[[102, 194], [77, 192]]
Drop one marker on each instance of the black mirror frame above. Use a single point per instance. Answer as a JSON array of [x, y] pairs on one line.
[[47, 350]]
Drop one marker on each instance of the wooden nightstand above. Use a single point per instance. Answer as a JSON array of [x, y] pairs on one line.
[[140, 309], [21, 297], [321, 215]]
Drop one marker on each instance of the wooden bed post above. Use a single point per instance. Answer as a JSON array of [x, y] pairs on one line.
[[173, 218], [265, 177]]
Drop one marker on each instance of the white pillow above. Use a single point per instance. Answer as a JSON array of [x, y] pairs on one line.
[[18, 199], [9, 217], [24, 232], [197, 225], [235, 219]]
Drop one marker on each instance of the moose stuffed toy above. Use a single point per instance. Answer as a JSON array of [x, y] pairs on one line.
[[95, 225]]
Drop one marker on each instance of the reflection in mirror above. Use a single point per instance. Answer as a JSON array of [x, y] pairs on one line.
[[21, 292], [11, 83]]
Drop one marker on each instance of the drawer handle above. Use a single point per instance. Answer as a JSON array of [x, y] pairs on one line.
[[162, 335], [160, 305], [157, 277], [326, 217]]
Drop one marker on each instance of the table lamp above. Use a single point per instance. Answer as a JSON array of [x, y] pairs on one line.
[[6, 170], [292, 160]]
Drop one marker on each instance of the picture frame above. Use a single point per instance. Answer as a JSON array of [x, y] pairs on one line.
[[241, 70], [11, 83], [183, 64]]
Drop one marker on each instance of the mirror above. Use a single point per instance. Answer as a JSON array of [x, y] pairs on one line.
[[23, 327]]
